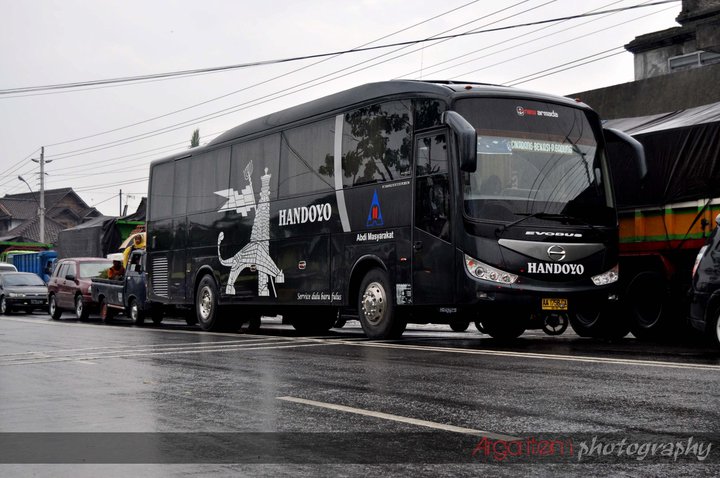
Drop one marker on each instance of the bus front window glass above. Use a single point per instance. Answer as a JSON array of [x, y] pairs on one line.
[[534, 158]]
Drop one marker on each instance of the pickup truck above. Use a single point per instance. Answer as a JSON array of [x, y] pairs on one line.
[[128, 295]]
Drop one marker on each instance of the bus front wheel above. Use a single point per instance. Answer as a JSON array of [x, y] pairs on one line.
[[376, 311]]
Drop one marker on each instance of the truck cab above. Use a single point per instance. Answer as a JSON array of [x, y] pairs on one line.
[[128, 295]]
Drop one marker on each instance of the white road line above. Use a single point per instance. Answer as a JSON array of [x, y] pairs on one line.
[[32, 361], [364, 343], [544, 356], [401, 419], [120, 348]]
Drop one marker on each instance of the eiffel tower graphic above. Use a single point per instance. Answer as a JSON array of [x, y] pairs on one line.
[[256, 254]]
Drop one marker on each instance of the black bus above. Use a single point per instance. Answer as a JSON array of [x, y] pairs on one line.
[[397, 202]]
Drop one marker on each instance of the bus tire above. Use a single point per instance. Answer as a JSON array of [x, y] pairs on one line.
[[646, 306], [376, 311], [207, 309], [507, 328], [459, 326], [599, 324]]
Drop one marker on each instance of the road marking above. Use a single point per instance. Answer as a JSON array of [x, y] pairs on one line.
[[401, 419], [150, 352], [543, 356], [360, 342]]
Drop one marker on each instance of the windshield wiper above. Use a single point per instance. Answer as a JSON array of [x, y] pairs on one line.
[[543, 215]]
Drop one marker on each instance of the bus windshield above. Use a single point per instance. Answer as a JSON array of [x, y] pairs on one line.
[[535, 160]]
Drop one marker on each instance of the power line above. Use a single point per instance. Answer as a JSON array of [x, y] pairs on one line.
[[241, 106], [318, 55], [262, 82], [504, 45], [558, 44]]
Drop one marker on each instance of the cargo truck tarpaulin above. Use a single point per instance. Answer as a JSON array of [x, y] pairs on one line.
[[683, 158]]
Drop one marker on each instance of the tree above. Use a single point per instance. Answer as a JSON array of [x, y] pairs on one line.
[[195, 140]]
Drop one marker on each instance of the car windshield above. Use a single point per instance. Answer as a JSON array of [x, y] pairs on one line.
[[93, 269], [535, 160], [22, 280]]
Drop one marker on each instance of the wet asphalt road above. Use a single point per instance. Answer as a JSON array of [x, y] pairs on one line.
[[341, 405]]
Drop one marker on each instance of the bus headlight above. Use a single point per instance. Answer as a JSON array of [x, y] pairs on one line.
[[483, 271], [606, 277]]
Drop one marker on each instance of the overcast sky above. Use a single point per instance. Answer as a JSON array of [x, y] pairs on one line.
[[102, 139]]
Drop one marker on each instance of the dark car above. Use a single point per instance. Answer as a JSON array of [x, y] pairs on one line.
[[22, 291], [69, 286], [705, 292]]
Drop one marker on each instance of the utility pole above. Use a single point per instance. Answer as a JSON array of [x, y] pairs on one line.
[[41, 212]]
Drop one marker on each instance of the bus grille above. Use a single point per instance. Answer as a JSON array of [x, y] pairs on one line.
[[160, 276]]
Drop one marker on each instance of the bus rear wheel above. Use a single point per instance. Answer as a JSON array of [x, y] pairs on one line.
[[376, 311], [206, 305]]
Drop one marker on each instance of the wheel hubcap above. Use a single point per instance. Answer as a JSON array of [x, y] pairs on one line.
[[374, 303], [78, 307], [205, 303], [717, 331], [134, 311]]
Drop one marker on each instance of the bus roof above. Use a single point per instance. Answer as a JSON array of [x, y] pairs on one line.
[[372, 92]]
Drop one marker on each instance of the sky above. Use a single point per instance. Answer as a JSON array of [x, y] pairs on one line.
[[100, 139]]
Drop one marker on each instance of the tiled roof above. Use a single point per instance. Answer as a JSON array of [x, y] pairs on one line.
[[24, 207], [20, 208], [31, 230]]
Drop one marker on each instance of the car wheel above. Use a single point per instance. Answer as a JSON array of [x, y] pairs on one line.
[[53, 308], [137, 315], [4, 308], [81, 312], [376, 311], [106, 312], [712, 330]]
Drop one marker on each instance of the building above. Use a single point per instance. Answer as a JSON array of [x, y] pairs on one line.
[[19, 220], [675, 69]]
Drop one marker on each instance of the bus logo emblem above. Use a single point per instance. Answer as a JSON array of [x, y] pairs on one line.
[[556, 253], [375, 214]]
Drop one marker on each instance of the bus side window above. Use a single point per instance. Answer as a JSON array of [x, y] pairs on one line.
[[432, 187]]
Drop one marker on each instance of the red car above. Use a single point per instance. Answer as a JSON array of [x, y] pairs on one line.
[[69, 285]]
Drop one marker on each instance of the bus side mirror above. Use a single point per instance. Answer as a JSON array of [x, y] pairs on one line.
[[466, 137], [623, 148]]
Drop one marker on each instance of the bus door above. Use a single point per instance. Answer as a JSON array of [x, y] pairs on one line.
[[433, 250]]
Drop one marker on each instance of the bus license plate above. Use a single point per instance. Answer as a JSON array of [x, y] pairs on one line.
[[554, 304]]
